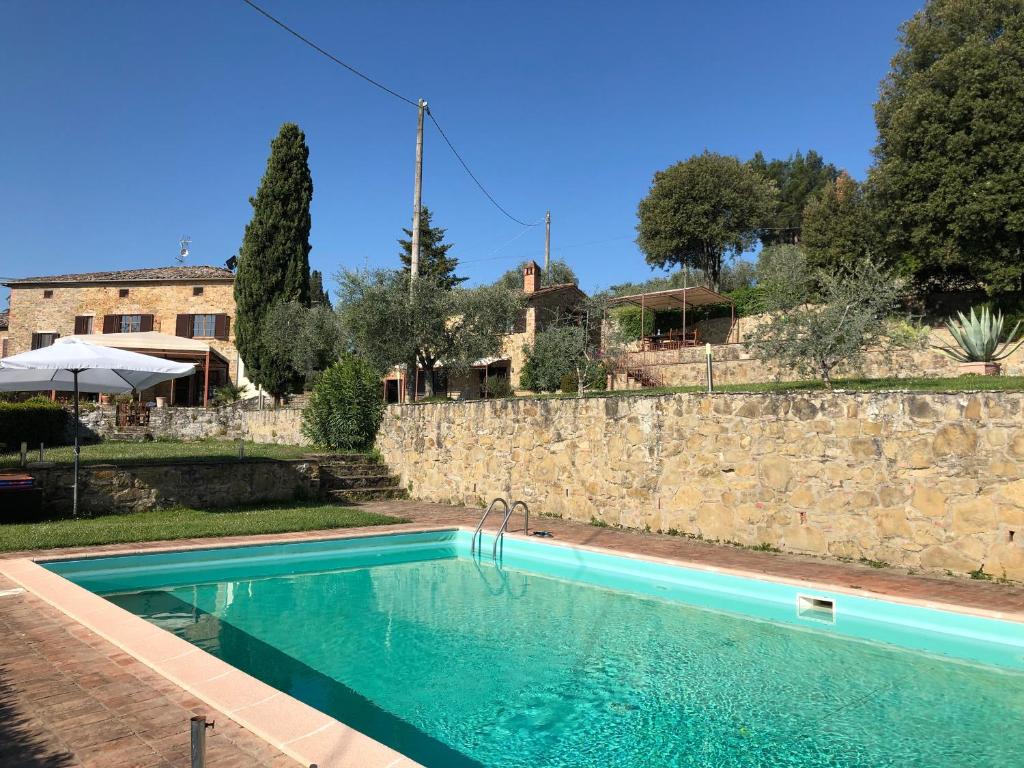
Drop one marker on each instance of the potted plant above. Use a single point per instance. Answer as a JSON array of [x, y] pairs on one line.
[[980, 343]]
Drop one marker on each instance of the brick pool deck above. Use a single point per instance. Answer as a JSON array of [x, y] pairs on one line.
[[68, 697]]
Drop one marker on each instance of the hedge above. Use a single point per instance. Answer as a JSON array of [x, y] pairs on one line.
[[33, 421]]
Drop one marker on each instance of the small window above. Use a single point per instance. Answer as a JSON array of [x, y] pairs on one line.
[[197, 290], [47, 294], [131, 323], [204, 326], [122, 293], [83, 325], [40, 340]]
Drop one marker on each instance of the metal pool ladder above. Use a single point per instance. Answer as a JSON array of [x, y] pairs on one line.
[[499, 536], [478, 533]]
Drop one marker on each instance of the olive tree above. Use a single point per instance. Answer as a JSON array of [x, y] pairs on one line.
[[821, 319], [390, 322], [308, 338]]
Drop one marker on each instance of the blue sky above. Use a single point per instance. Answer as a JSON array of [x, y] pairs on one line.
[[128, 124]]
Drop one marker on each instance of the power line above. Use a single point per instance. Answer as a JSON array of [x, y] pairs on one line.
[[472, 175], [330, 56], [394, 93]]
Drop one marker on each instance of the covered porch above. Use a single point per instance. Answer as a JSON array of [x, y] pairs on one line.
[[212, 369], [675, 300], [481, 382]]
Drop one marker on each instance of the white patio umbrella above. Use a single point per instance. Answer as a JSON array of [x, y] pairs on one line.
[[74, 365]]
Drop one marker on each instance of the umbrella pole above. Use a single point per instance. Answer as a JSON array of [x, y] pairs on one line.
[[74, 497]]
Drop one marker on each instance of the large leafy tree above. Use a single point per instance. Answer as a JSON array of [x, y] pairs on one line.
[[273, 263], [434, 259], [388, 324], [798, 177], [839, 226], [703, 210], [950, 152]]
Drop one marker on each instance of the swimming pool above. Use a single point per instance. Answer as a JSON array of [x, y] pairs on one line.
[[569, 657]]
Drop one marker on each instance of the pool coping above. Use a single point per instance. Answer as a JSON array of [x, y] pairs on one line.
[[296, 729]]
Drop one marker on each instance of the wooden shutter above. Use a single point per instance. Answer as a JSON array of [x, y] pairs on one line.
[[183, 327], [146, 323], [222, 325], [82, 324], [111, 323]]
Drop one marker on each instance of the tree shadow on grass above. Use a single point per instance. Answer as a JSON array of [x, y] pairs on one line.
[[21, 743]]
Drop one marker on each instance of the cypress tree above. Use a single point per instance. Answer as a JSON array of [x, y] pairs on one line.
[[273, 263], [317, 293], [434, 259]]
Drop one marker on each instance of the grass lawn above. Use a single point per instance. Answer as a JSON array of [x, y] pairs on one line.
[[956, 384], [184, 523], [159, 451]]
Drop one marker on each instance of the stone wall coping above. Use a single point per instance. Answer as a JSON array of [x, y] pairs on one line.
[[640, 393], [183, 462]]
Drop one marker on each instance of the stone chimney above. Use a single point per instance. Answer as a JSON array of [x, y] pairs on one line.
[[531, 277]]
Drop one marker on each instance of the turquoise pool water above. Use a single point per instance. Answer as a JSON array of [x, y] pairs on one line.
[[565, 658]]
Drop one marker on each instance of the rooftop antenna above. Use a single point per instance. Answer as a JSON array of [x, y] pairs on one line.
[[183, 252]]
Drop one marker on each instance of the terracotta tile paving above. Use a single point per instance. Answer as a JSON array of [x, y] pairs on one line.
[[70, 698]]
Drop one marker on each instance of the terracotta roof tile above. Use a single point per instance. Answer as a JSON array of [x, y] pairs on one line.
[[554, 289], [155, 274]]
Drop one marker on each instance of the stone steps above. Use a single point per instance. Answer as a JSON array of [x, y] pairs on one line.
[[377, 493], [380, 479], [130, 435], [351, 478]]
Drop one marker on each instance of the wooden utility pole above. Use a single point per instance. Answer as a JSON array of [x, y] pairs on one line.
[[417, 190], [412, 371], [547, 242]]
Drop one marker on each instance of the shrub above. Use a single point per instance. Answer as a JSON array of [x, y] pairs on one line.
[[346, 406], [498, 386], [32, 421], [569, 383], [227, 394]]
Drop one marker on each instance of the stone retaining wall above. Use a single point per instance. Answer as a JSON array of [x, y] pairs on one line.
[[281, 425], [737, 364], [225, 423], [929, 481], [109, 489]]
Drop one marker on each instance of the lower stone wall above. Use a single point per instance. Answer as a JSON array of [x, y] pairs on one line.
[[737, 364], [279, 425], [225, 423], [924, 481], [109, 489]]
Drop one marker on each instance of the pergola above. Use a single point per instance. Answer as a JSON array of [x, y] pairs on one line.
[[676, 298], [194, 351]]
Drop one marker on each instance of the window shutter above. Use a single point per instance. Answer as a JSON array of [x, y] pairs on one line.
[[81, 325], [111, 323], [146, 323], [183, 327], [222, 324]]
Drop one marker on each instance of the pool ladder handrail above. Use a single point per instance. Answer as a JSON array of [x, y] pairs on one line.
[[499, 536], [479, 526]]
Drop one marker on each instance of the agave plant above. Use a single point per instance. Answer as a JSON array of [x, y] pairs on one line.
[[980, 338]]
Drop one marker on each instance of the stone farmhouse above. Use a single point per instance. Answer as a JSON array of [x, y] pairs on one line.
[[182, 313], [544, 304]]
